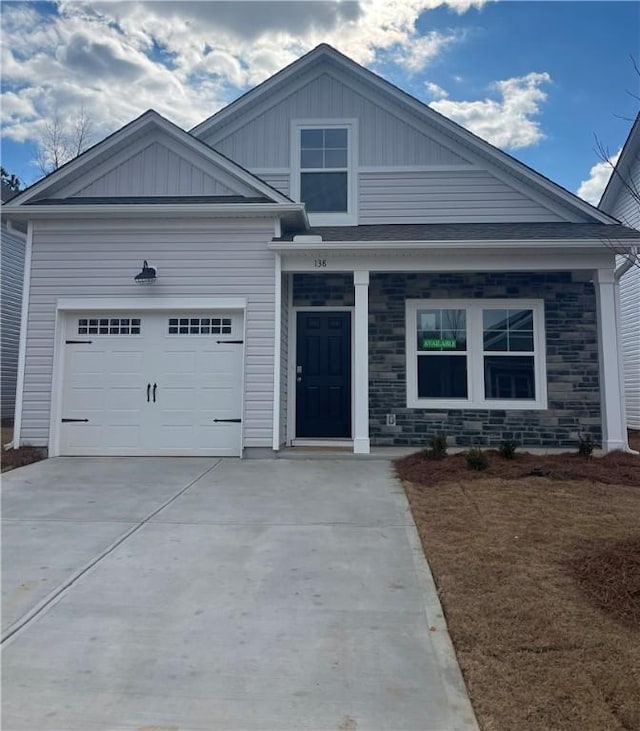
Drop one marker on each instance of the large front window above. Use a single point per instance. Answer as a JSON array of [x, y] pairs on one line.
[[475, 354]]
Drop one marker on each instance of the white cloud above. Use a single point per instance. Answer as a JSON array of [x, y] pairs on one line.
[[185, 59], [509, 122], [593, 187], [435, 91], [417, 54]]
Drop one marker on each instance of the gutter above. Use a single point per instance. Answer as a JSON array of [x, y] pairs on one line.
[[191, 210], [631, 260]]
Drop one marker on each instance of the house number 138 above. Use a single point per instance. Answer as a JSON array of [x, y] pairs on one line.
[[319, 263]]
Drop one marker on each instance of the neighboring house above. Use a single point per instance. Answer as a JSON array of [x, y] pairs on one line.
[[428, 283], [621, 199], [12, 245]]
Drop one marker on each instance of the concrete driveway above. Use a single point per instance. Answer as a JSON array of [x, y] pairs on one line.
[[217, 595]]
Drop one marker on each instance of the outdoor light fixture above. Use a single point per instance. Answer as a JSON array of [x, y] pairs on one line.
[[147, 275]]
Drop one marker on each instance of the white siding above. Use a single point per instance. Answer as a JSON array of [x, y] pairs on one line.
[[12, 264], [627, 209], [444, 196], [203, 259], [158, 171], [384, 139], [630, 311], [279, 181]]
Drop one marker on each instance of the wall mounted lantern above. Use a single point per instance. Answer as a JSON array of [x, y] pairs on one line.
[[148, 274]]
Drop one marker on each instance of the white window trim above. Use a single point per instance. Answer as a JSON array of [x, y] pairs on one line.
[[350, 218], [475, 353]]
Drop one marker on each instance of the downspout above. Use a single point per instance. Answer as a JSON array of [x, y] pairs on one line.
[[629, 261]]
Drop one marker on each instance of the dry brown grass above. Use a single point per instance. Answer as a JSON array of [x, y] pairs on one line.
[[540, 582]]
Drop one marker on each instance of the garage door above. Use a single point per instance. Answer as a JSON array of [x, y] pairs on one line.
[[165, 383]]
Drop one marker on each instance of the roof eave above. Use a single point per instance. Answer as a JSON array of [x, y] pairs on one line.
[[155, 210], [485, 244]]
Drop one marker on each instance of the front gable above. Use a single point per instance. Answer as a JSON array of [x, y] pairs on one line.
[[413, 164], [149, 158]]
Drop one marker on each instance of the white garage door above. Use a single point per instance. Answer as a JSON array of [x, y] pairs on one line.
[[165, 383]]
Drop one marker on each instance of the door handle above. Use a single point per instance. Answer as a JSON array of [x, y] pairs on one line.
[[148, 391], [155, 385]]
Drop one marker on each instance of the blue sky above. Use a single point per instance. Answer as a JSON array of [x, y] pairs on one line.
[[538, 79]]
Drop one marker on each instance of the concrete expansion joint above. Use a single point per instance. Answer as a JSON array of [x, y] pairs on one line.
[[56, 595]]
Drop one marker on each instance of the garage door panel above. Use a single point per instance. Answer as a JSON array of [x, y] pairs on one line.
[[197, 379]]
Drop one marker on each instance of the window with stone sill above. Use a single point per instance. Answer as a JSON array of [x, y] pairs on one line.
[[485, 354]]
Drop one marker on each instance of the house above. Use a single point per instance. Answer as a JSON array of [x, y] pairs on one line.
[[324, 261], [621, 199], [12, 245]]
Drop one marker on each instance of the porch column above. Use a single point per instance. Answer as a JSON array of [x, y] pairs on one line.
[[614, 435], [361, 444]]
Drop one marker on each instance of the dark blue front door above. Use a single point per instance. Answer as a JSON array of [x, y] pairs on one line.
[[323, 374]]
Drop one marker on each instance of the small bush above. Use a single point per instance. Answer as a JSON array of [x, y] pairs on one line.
[[508, 449], [585, 445], [477, 459], [437, 447]]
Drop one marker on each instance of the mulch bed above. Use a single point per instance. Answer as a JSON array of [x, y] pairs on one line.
[[12, 458], [537, 564], [615, 468]]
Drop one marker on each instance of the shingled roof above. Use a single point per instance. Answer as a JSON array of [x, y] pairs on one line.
[[469, 232]]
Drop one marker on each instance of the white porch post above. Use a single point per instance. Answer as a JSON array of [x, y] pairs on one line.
[[614, 435], [361, 444]]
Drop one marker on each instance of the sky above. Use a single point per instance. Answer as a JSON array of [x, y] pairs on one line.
[[541, 80]]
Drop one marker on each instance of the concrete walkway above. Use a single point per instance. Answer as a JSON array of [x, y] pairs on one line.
[[220, 595]]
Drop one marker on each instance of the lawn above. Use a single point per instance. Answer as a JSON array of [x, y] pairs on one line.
[[537, 563]]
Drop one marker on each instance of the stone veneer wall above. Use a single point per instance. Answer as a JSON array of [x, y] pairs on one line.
[[572, 356]]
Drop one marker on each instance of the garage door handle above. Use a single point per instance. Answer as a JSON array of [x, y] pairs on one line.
[[232, 421], [155, 385], [148, 391]]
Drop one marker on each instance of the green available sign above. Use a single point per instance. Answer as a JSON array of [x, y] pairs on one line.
[[428, 343]]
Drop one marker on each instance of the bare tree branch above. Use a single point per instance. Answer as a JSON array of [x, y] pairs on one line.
[[62, 141]]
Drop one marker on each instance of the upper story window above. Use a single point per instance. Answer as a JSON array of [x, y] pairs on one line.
[[323, 170]]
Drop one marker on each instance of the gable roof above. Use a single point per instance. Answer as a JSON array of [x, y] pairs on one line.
[[620, 174], [136, 133], [323, 57]]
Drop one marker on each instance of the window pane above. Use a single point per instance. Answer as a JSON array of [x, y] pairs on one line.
[[311, 159], [310, 138], [509, 377], [334, 138], [335, 159], [324, 192], [519, 341], [508, 330], [496, 340], [442, 330], [521, 320], [495, 319], [442, 376]]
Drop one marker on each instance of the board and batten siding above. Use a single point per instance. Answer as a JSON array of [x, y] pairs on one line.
[[384, 138], [12, 276], [159, 171], [197, 258], [467, 195]]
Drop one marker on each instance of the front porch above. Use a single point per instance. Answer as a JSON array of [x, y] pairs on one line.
[[570, 392]]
